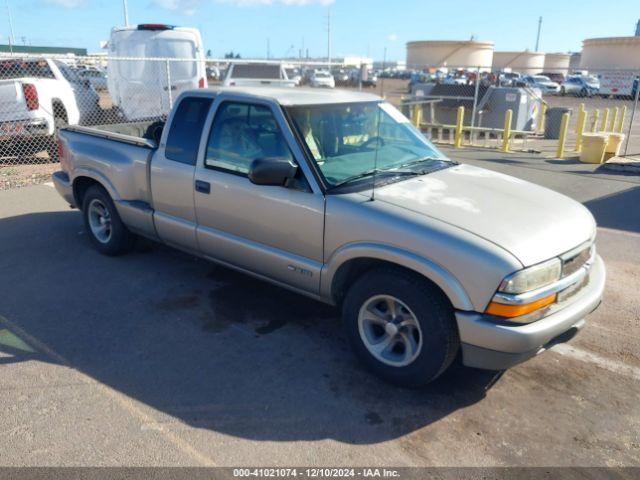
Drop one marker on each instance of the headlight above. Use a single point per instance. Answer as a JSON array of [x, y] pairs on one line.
[[533, 277]]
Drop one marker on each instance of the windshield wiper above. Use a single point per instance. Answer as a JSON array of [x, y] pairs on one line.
[[370, 173], [397, 172], [426, 159]]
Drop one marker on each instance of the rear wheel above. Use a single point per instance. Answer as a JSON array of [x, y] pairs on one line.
[[103, 224], [401, 326]]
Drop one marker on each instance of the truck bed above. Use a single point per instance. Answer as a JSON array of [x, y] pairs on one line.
[[115, 159]]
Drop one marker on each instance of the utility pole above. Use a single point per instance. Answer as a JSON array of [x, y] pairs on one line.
[[126, 13], [329, 38], [12, 38], [268, 48], [538, 37]]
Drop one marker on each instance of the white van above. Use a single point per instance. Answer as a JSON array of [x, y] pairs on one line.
[[139, 82]]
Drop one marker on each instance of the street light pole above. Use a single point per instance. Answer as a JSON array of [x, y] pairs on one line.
[[12, 38], [538, 37], [126, 13]]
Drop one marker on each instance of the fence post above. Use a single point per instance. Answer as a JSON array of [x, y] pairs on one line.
[[632, 119], [564, 125], [582, 120], [417, 115], [475, 98], [506, 134], [594, 121], [457, 143], [543, 113], [169, 91], [605, 119], [623, 114], [613, 120]]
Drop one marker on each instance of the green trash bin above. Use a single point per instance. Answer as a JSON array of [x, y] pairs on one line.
[[552, 122]]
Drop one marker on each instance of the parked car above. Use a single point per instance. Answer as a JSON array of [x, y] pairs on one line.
[[544, 84], [278, 183], [257, 74], [38, 95], [580, 86], [97, 78], [342, 78], [295, 75], [213, 73], [322, 79], [143, 88], [509, 79], [559, 78]]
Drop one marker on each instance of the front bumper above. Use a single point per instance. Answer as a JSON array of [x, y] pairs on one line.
[[486, 344], [64, 187]]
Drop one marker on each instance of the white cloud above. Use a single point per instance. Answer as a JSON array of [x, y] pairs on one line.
[[186, 7], [298, 3], [66, 3], [392, 37]]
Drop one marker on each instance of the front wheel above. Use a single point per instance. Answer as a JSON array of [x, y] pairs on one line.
[[103, 224], [401, 326]]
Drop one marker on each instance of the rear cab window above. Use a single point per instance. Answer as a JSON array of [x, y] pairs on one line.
[[186, 128], [10, 69]]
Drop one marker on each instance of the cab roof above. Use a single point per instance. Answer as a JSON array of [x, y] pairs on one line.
[[299, 96]]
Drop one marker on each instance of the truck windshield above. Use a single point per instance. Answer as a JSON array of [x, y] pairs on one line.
[[349, 141]]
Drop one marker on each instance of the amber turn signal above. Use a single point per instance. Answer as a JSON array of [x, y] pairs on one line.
[[511, 311]]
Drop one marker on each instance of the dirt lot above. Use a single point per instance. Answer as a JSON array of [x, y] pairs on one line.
[[158, 358]]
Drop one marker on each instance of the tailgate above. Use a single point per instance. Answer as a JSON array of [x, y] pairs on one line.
[[12, 104]]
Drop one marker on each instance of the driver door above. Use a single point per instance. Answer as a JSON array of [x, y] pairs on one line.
[[272, 231]]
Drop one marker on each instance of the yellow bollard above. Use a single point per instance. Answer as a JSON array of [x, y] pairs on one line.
[[506, 134], [605, 119], [564, 125], [580, 109], [623, 113], [543, 113], [417, 115], [613, 121], [457, 142], [594, 120], [580, 124]]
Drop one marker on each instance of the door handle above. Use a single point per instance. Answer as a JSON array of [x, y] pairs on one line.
[[203, 187]]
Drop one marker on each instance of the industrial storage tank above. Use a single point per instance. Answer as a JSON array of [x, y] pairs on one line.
[[450, 54], [610, 53], [524, 61], [557, 63]]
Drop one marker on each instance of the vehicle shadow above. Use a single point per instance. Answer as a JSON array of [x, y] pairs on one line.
[[614, 211], [210, 347]]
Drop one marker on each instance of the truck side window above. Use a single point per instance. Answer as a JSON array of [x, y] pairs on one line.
[[186, 129], [241, 133]]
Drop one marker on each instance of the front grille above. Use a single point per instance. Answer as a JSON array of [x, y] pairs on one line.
[[576, 260]]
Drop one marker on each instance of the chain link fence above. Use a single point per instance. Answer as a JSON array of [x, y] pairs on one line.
[[588, 114], [555, 115]]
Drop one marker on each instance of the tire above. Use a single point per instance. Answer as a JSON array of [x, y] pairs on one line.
[[434, 342], [115, 239], [563, 92]]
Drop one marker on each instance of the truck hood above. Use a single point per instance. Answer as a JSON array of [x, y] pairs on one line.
[[533, 223]]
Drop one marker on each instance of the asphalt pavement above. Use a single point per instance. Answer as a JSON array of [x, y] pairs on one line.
[[159, 358]]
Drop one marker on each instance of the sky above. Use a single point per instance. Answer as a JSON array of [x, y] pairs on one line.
[[359, 27]]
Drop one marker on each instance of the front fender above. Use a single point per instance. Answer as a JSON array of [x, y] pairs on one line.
[[424, 266]]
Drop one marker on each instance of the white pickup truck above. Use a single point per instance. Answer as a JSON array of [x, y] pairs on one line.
[[38, 95], [258, 75]]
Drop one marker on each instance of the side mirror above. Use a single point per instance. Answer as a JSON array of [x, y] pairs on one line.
[[275, 171]]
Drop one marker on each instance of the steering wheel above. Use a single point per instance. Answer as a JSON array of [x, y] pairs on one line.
[[379, 140]]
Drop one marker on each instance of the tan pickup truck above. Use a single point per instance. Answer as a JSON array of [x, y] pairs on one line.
[[337, 196]]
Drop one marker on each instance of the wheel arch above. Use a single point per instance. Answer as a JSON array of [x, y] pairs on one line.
[[354, 260], [84, 180]]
